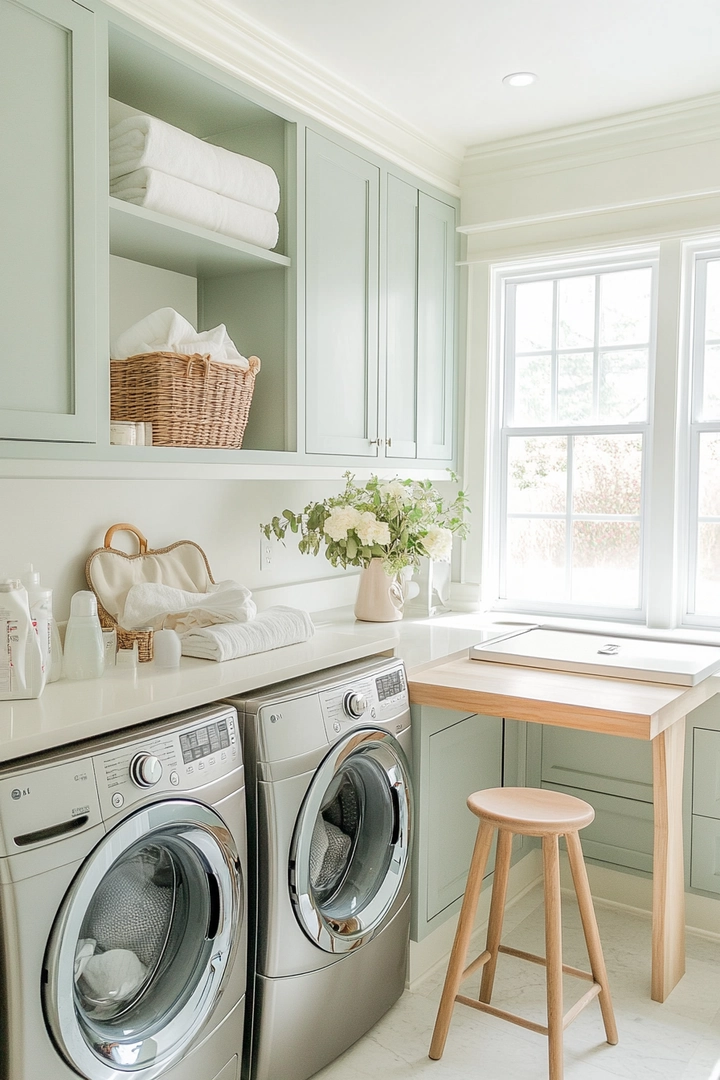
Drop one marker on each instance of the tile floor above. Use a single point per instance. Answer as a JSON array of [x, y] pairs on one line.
[[678, 1040]]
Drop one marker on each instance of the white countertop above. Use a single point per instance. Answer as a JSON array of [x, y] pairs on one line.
[[69, 712]]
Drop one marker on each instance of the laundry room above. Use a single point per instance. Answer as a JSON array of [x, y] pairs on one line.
[[360, 560]]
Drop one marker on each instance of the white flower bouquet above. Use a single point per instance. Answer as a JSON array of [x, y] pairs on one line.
[[398, 521]]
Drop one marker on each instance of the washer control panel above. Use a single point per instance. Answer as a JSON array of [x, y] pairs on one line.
[[175, 761], [372, 698]]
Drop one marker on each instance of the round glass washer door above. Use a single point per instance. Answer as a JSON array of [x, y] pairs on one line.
[[350, 848], [142, 942]]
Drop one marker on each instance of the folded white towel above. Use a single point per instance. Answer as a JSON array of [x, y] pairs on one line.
[[272, 629], [150, 603], [142, 140], [167, 194], [165, 330]]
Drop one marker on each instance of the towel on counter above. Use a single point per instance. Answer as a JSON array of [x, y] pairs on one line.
[[149, 603], [165, 330], [141, 140], [272, 629], [177, 198]]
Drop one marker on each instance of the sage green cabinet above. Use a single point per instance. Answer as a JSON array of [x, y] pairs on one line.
[[401, 313], [453, 755], [342, 299], [705, 842], [615, 776], [47, 221]]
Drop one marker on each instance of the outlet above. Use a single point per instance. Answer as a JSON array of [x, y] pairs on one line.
[[267, 550]]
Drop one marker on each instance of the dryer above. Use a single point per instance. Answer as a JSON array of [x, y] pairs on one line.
[[123, 905], [330, 811]]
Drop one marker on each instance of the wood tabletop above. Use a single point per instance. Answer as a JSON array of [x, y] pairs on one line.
[[637, 710]]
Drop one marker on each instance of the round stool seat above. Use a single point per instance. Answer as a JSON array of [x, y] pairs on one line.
[[531, 811]]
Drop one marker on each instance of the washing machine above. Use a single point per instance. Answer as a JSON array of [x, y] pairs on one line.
[[329, 819], [123, 905]]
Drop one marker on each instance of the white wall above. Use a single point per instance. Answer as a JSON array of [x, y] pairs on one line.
[[56, 524]]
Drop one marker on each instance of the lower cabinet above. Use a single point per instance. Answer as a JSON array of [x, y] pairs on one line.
[[705, 841], [615, 777], [453, 755]]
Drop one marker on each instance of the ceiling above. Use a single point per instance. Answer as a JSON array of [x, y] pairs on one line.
[[439, 66]]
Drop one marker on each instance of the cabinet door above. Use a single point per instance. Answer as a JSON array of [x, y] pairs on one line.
[[342, 262], [47, 215], [436, 328], [401, 320]]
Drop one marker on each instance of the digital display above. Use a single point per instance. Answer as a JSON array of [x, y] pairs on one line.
[[203, 741], [391, 684]]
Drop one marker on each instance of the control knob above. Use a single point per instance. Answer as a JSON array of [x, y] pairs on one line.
[[355, 704], [145, 770]]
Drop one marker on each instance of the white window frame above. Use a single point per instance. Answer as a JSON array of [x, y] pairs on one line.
[[697, 254], [502, 275]]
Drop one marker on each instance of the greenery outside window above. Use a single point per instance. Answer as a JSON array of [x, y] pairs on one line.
[[574, 411]]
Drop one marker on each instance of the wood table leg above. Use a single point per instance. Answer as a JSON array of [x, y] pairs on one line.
[[668, 916]]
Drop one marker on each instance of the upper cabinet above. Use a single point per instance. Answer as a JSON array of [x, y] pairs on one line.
[[380, 302], [47, 221], [342, 300], [351, 311]]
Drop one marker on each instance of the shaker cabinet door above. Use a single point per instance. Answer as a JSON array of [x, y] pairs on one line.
[[47, 231], [436, 328], [341, 271], [401, 320]]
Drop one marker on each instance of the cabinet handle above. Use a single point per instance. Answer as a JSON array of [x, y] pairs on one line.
[[375, 442], [389, 442]]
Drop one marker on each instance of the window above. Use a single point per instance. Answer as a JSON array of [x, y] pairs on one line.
[[576, 358], [704, 437]]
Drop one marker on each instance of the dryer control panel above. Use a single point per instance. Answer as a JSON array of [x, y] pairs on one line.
[[170, 762], [374, 697]]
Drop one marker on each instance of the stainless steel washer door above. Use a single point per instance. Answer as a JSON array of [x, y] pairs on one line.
[[142, 942], [351, 843]]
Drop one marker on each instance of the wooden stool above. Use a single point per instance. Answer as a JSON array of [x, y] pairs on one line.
[[530, 812]]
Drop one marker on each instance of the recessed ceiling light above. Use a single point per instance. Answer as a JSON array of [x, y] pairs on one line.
[[520, 78]]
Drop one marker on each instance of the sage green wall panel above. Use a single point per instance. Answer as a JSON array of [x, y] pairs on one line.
[[705, 854], [595, 762], [47, 303], [341, 267], [401, 319], [436, 328]]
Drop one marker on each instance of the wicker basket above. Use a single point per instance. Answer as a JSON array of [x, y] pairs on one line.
[[189, 400], [144, 638]]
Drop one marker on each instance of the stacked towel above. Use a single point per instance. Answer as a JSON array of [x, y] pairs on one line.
[[271, 629], [150, 603], [156, 165]]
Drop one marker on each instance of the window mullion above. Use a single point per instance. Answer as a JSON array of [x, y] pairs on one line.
[[569, 520]]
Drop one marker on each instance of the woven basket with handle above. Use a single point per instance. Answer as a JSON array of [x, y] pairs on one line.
[[189, 400], [148, 564]]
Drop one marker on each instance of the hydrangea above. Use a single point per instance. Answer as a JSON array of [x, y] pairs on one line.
[[395, 489], [438, 543], [372, 531], [340, 520]]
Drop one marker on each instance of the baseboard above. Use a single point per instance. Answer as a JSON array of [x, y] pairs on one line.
[[432, 952]]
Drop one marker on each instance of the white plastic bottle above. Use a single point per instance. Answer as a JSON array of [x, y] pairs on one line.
[[84, 651], [40, 600], [22, 673]]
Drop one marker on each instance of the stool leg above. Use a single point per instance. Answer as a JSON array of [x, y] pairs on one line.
[[553, 955], [458, 955], [497, 911], [592, 936]]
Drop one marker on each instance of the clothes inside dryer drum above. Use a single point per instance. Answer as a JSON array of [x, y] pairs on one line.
[[328, 854]]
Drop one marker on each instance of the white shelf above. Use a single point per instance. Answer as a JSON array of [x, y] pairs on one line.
[[158, 240]]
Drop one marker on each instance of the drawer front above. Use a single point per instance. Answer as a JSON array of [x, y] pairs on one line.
[[622, 832], [705, 854], [593, 762], [706, 772]]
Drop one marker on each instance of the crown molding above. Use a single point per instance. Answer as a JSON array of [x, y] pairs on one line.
[[221, 34], [644, 131]]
